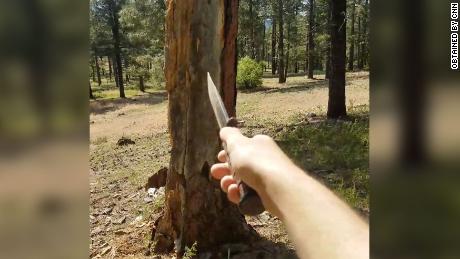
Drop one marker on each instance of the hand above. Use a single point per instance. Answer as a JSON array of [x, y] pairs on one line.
[[255, 161]]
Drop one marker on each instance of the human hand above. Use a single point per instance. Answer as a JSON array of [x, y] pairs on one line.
[[256, 161]]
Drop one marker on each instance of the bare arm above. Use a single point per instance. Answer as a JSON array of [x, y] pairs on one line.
[[318, 222]]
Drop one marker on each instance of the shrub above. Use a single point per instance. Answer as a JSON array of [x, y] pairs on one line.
[[249, 73]]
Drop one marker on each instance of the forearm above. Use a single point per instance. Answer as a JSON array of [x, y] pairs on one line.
[[319, 224]]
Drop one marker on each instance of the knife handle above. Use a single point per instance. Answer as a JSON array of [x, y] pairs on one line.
[[250, 203]]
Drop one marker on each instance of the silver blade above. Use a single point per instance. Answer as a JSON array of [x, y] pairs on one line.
[[217, 103]]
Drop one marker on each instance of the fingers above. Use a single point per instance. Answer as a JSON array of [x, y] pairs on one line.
[[220, 170], [228, 184], [222, 156], [233, 194], [230, 135], [226, 181]]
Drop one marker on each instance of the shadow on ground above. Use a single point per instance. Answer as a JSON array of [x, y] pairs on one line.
[[318, 83], [261, 248], [107, 105]]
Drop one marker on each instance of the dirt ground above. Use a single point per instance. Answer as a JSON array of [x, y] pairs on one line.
[[122, 213]]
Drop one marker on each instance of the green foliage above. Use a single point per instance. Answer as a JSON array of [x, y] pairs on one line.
[[190, 252], [249, 73], [157, 74]]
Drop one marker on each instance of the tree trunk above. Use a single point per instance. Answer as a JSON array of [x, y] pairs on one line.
[[141, 84], [281, 75], [311, 42], [126, 63], [93, 72], [252, 31], [110, 67], [91, 96], [351, 51], [364, 51], [263, 43], [328, 63], [360, 49], [115, 71], [102, 68], [327, 73], [98, 71], [286, 67], [273, 45], [116, 44], [200, 38], [336, 105]]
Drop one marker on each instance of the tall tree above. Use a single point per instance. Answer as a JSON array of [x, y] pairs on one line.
[[98, 70], [196, 210], [108, 12], [336, 105], [273, 54], [110, 67], [311, 41], [281, 74], [351, 51], [364, 42], [328, 47], [252, 31], [359, 38]]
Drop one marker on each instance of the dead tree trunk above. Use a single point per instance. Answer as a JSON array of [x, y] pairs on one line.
[[200, 38], [336, 105]]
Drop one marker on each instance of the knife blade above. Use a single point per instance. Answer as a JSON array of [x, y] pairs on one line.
[[250, 202]]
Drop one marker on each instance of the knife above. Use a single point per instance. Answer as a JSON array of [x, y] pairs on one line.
[[250, 202]]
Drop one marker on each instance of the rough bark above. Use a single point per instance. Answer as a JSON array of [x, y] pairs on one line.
[[336, 105], [359, 54], [200, 38], [273, 45], [116, 44], [281, 78], [311, 42], [351, 51]]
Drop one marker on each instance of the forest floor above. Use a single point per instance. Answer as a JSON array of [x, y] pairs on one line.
[[122, 213]]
